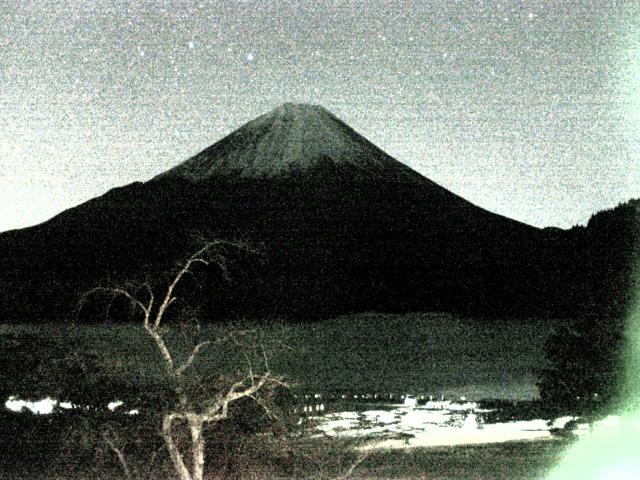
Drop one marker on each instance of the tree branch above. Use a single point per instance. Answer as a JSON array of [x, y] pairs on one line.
[[115, 292], [192, 357], [174, 453], [164, 351], [264, 406], [220, 409], [353, 466], [188, 409], [197, 257], [119, 454]]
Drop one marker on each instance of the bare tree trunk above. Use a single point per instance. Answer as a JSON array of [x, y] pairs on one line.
[[174, 453], [217, 408], [197, 446]]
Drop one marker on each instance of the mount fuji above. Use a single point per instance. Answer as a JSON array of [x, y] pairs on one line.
[[340, 227]]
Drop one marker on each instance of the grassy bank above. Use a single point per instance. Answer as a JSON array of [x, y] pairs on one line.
[[510, 461], [324, 459]]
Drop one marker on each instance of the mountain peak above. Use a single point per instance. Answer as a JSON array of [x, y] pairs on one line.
[[291, 108], [292, 140]]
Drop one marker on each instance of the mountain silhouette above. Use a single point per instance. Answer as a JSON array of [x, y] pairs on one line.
[[289, 141], [340, 227]]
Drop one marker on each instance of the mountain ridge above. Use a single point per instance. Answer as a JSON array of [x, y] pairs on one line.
[[339, 235], [293, 139]]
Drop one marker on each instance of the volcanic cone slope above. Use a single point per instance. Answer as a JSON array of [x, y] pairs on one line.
[[340, 227], [293, 140]]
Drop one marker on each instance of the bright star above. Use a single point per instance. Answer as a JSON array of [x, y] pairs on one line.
[[250, 57]]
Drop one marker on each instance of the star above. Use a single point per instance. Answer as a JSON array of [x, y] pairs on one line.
[[250, 57]]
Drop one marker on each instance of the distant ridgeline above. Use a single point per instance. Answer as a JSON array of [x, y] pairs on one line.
[[339, 227]]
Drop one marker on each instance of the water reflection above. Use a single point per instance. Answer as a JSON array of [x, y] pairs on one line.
[[48, 405]]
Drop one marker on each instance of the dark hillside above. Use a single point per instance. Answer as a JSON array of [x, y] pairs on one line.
[[327, 248], [341, 227]]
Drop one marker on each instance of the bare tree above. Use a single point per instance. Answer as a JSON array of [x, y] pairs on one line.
[[189, 413]]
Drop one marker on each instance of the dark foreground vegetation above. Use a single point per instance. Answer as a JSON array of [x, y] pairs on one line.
[[104, 363], [38, 448], [98, 364], [517, 461]]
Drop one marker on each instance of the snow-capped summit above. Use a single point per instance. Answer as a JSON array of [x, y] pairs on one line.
[[293, 139]]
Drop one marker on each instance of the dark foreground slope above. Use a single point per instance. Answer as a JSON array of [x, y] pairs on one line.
[[326, 248], [341, 227]]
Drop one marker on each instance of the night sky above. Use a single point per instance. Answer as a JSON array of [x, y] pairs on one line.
[[527, 108]]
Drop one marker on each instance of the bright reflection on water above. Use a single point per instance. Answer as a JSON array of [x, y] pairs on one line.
[[47, 405], [409, 427], [40, 407]]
